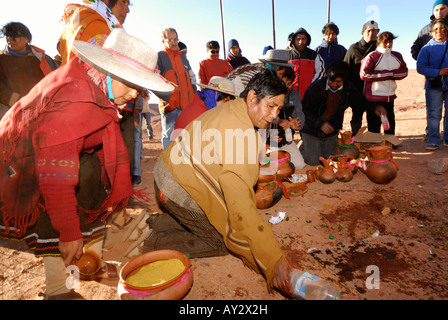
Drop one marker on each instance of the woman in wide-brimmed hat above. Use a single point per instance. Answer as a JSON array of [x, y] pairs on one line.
[[64, 167]]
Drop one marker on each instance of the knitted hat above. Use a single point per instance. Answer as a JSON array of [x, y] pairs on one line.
[[445, 2], [182, 46], [232, 42], [125, 57], [266, 49]]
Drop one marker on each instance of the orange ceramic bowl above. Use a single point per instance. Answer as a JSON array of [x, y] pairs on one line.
[[174, 289]]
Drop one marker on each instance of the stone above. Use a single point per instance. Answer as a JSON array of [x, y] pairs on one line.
[[438, 166]]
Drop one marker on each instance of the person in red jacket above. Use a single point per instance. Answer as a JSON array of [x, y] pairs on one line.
[[64, 166], [175, 67], [213, 66]]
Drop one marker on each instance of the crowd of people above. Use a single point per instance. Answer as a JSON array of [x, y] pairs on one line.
[[71, 130]]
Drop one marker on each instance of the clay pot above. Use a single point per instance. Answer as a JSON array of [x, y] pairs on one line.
[[327, 175], [268, 194], [346, 146], [89, 264], [317, 172], [381, 169], [278, 166], [311, 177], [344, 172], [174, 289]]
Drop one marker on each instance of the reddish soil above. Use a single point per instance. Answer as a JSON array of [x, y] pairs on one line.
[[329, 230]]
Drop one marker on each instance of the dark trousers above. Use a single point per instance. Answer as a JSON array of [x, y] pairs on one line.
[[374, 122]]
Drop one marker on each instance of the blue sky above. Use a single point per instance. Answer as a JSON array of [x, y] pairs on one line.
[[248, 21]]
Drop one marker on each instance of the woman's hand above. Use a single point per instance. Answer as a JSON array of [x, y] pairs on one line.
[[70, 250]]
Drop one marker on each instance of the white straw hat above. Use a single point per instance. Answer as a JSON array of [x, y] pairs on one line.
[[126, 57], [220, 84]]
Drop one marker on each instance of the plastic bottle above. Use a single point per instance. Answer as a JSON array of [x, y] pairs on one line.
[[385, 122], [310, 287], [288, 134]]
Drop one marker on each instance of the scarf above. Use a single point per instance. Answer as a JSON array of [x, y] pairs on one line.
[[55, 96], [19, 53], [231, 56], [97, 5]]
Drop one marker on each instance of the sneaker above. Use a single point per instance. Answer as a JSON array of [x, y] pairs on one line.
[[136, 180], [431, 147]]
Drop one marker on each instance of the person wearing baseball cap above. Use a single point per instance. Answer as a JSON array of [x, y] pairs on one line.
[[359, 51]]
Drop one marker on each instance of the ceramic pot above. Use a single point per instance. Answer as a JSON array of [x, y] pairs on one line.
[[277, 166], [174, 289], [327, 175], [346, 146], [344, 172], [311, 177], [89, 264], [268, 194], [317, 172], [381, 169]]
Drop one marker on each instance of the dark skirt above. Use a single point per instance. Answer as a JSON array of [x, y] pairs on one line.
[[42, 238]]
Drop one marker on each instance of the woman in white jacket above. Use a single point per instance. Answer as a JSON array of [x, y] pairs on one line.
[[380, 70]]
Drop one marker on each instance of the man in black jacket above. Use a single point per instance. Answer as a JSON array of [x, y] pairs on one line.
[[354, 56], [324, 105], [359, 51]]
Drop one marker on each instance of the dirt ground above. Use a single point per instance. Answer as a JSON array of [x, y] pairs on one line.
[[341, 231]]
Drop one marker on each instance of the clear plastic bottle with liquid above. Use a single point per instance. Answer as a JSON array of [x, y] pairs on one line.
[[310, 287], [385, 122], [288, 134]]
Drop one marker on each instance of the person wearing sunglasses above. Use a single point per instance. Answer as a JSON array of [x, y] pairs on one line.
[[213, 66]]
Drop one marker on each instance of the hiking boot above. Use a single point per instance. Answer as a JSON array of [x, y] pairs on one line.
[[431, 147], [136, 180]]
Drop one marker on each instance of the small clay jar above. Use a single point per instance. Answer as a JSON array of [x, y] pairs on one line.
[[346, 146], [268, 194], [282, 161], [317, 172], [310, 176], [381, 169], [277, 166], [327, 175], [344, 172]]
